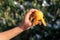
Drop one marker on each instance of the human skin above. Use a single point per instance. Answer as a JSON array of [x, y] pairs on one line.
[[25, 25]]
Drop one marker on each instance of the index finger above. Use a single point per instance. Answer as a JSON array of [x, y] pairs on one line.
[[29, 13]]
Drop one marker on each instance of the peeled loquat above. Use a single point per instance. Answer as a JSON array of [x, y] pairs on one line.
[[38, 18]]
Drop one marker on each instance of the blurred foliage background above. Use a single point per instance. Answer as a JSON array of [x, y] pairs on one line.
[[12, 12]]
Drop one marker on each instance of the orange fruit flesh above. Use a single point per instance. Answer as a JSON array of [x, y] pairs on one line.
[[38, 15]]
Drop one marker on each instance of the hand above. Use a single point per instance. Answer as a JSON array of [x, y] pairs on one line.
[[26, 23]]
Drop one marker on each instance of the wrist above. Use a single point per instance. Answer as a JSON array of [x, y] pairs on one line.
[[23, 27]]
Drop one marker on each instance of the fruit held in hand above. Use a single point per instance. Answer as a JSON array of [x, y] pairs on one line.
[[38, 17]]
